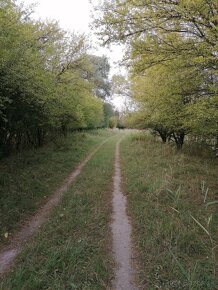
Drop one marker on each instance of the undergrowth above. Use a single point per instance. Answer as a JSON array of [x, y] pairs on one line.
[[72, 251], [173, 201], [27, 179]]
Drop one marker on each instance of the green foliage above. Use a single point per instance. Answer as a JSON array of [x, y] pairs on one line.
[[44, 85], [108, 113], [100, 76], [113, 121], [172, 53]]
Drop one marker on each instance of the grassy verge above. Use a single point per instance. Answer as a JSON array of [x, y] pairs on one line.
[[70, 251], [171, 201], [27, 179]]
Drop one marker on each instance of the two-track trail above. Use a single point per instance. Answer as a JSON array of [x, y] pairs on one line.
[[87, 239], [121, 232], [9, 253]]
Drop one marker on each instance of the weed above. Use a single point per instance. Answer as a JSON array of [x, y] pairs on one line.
[[28, 178], [71, 250], [174, 222]]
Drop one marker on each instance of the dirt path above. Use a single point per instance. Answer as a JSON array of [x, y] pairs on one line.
[[121, 230], [9, 253]]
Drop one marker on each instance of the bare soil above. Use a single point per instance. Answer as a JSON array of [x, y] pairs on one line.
[[121, 231]]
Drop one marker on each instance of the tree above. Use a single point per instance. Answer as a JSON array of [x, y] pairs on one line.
[[108, 113], [113, 122], [100, 76], [44, 87], [177, 36], [121, 20]]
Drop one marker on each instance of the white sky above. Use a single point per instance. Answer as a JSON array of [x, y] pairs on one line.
[[76, 16]]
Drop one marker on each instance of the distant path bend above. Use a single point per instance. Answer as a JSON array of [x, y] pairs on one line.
[[121, 231], [9, 253]]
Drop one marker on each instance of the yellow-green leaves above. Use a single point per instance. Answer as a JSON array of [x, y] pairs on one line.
[[172, 56], [45, 83]]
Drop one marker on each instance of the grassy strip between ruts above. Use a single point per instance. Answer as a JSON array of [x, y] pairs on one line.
[[71, 250], [27, 179], [172, 204]]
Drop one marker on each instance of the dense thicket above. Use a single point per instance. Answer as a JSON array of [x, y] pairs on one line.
[[48, 81], [172, 52]]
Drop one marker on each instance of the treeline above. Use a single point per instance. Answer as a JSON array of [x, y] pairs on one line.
[[49, 84], [172, 51]]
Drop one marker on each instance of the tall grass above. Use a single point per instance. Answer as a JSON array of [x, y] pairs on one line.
[[172, 199], [72, 251], [28, 178]]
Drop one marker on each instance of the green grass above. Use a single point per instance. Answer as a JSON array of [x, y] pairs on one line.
[[27, 179], [72, 251], [171, 201]]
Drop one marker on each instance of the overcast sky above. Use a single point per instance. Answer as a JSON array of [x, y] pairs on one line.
[[75, 15]]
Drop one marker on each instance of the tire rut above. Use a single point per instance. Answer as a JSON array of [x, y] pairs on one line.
[[121, 233], [10, 252]]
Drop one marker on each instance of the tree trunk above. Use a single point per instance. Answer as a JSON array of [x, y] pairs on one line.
[[40, 137], [163, 135], [179, 139]]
